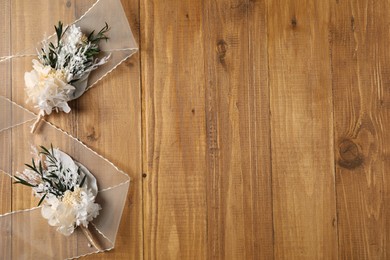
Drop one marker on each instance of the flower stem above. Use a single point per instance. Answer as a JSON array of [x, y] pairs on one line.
[[90, 238], [36, 123]]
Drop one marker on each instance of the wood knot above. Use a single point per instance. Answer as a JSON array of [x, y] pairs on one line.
[[129, 63], [221, 51], [92, 135], [68, 4], [352, 23], [350, 155], [294, 22]]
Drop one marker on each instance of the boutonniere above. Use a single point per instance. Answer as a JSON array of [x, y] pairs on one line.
[[60, 74], [65, 188]]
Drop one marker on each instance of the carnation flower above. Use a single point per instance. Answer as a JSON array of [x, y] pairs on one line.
[[75, 208], [48, 88]]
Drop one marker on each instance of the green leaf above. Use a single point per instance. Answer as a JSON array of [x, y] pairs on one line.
[[33, 163], [52, 175], [100, 35], [83, 180], [32, 168], [41, 200], [58, 31], [48, 180], [40, 168], [90, 36], [49, 155], [23, 182], [44, 149]]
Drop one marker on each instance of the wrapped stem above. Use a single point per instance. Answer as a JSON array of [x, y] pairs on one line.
[[37, 122], [91, 238]]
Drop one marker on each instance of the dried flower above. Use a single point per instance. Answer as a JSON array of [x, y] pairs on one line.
[[52, 82], [76, 208], [48, 88], [62, 188]]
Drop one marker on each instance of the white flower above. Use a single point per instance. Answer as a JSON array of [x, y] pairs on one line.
[[73, 209], [42, 187], [47, 88], [73, 37]]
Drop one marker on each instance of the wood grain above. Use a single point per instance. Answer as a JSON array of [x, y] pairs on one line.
[[5, 90], [251, 129], [239, 220], [360, 56], [175, 150], [303, 189]]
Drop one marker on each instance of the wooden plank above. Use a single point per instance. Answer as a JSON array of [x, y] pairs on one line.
[[174, 188], [302, 130], [5, 26], [360, 54], [5, 181], [109, 121], [5, 72], [238, 132], [5, 47]]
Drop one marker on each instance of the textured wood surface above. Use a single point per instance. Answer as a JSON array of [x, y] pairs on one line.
[[250, 129], [238, 131], [175, 137], [301, 131], [5, 69], [360, 55]]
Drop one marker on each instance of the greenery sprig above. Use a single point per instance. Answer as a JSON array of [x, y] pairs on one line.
[[53, 55], [49, 176]]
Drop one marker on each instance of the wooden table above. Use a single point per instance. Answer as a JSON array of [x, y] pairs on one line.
[[250, 129]]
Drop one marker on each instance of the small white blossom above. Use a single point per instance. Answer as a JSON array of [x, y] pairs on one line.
[[73, 38]]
